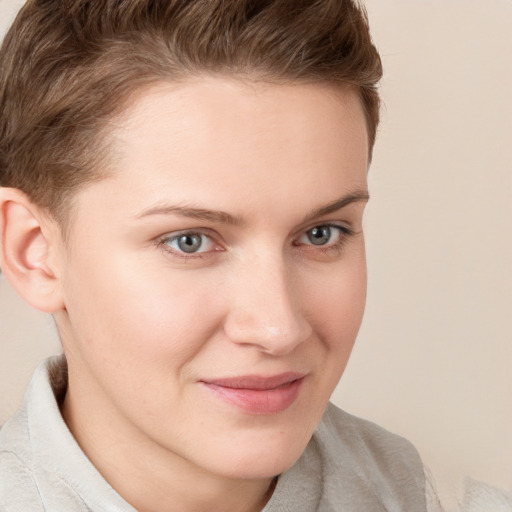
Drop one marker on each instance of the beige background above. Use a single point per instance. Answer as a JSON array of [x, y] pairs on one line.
[[433, 360]]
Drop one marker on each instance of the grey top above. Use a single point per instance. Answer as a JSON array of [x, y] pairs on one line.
[[349, 465]]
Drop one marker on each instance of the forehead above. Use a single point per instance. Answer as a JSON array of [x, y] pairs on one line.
[[213, 108], [207, 139]]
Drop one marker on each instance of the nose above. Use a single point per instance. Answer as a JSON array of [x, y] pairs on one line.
[[265, 310]]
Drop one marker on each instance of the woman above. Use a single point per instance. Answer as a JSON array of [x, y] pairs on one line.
[[183, 185]]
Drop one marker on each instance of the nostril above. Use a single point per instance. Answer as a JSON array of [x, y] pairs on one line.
[[264, 311], [275, 334]]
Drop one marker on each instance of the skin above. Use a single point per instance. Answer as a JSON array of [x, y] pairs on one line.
[[143, 325]]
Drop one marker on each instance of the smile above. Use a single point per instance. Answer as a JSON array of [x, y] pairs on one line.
[[258, 395]]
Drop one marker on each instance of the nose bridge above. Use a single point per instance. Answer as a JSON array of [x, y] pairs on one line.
[[264, 311]]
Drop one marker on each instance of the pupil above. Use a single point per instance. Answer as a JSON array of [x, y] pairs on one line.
[[320, 235], [189, 243]]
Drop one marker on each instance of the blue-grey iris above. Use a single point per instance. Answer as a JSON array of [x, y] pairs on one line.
[[319, 235], [189, 243]]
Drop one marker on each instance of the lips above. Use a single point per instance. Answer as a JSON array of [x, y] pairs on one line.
[[256, 394]]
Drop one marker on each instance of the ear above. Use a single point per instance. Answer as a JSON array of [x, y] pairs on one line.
[[29, 243]]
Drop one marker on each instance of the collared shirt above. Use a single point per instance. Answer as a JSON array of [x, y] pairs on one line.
[[349, 465]]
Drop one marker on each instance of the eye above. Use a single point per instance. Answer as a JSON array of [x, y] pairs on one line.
[[325, 240], [326, 235], [319, 235], [188, 243]]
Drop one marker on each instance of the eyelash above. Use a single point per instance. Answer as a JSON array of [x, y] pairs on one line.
[[167, 239], [344, 234]]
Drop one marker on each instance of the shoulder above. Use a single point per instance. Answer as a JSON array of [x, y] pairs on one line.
[[375, 461], [366, 439], [26, 486], [18, 488], [29, 451], [15, 443]]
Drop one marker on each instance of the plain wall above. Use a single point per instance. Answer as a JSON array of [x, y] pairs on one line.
[[433, 359]]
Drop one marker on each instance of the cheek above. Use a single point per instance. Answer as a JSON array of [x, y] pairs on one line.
[[131, 312], [336, 301]]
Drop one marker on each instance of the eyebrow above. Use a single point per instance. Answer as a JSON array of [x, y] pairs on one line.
[[219, 216], [338, 204], [193, 213]]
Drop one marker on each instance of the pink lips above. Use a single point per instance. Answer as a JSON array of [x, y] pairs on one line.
[[258, 395]]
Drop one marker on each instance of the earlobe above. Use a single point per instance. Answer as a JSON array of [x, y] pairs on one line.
[[27, 242]]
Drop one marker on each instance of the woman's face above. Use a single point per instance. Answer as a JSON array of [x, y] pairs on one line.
[[214, 284]]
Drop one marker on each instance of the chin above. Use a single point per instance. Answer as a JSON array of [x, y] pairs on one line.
[[265, 466], [267, 451], [263, 459]]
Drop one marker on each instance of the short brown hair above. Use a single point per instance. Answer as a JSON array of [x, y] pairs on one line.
[[67, 65]]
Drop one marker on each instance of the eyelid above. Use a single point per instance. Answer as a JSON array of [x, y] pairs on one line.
[[210, 233], [345, 232], [345, 227], [162, 240]]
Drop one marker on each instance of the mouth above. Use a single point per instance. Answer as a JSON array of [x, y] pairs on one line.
[[258, 395]]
